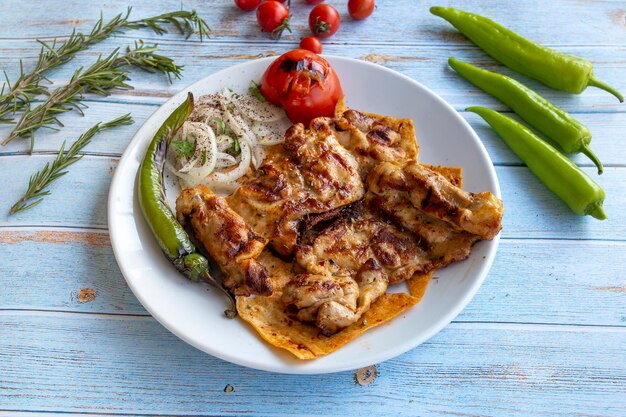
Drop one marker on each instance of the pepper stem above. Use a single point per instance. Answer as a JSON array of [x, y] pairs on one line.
[[597, 211], [593, 81], [231, 311], [594, 158]]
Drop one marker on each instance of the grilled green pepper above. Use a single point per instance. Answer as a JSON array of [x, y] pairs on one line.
[[171, 236], [582, 194], [555, 69], [557, 124]]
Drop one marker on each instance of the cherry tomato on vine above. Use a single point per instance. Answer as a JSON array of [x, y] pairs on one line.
[[271, 15], [311, 43], [324, 20], [303, 83], [247, 5], [360, 9]]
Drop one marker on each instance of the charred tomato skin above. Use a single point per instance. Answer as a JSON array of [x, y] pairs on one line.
[[304, 84]]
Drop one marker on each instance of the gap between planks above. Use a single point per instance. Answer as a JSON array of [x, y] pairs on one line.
[[28, 228], [291, 42], [47, 413], [471, 325]]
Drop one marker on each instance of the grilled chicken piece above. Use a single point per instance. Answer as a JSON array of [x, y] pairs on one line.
[[374, 139], [310, 173], [333, 302], [442, 242], [226, 238], [433, 195], [358, 238], [329, 302]]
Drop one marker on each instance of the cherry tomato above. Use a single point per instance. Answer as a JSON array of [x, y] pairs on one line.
[[271, 14], [324, 20], [360, 9], [314, 1], [247, 5], [304, 84], [311, 43]]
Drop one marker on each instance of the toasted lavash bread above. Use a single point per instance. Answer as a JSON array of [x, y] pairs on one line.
[[268, 317]]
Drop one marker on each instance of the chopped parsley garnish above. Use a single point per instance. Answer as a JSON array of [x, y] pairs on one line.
[[230, 90], [183, 148], [236, 148], [203, 159], [222, 127], [256, 91]]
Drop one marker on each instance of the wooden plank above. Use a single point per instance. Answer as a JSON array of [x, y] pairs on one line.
[[103, 364], [532, 211], [604, 126], [590, 291], [559, 22], [424, 63]]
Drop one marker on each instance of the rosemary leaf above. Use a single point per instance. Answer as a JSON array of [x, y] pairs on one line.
[[28, 85], [39, 181], [105, 75]]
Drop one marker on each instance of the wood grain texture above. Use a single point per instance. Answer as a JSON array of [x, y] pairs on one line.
[[545, 335], [532, 211], [532, 281], [604, 126], [98, 364], [425, 63], [559, 22]]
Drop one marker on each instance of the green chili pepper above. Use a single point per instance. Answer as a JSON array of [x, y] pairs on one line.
[[555, 69], [170, 234], [582, 194], [557, 124]]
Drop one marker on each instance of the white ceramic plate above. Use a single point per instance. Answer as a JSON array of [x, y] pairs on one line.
[[193, 312]]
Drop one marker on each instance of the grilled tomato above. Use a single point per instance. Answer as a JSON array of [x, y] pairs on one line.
[[304, 84]]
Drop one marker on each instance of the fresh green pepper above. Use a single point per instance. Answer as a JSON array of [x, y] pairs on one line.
[[170, 234], [582, 194], [555, 69], [557, 124]]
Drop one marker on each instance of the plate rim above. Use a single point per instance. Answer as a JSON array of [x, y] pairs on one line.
[[410, 343]]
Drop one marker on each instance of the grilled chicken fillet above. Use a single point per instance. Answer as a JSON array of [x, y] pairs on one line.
[[227, 238], [434, 196], [310, 173]]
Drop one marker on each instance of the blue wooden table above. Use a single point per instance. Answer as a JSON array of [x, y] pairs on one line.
[[546, 334]]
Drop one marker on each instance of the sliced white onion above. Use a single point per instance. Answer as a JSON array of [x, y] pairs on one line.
[[239, 171], [259, 111], [224, 142], [251, 122], [205, 144], [258, 155], [225, 160], [241, 128]]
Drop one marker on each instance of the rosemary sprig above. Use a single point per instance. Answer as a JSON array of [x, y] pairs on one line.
[[27, 86], [104, 75], [186, 22], [40, 180]]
